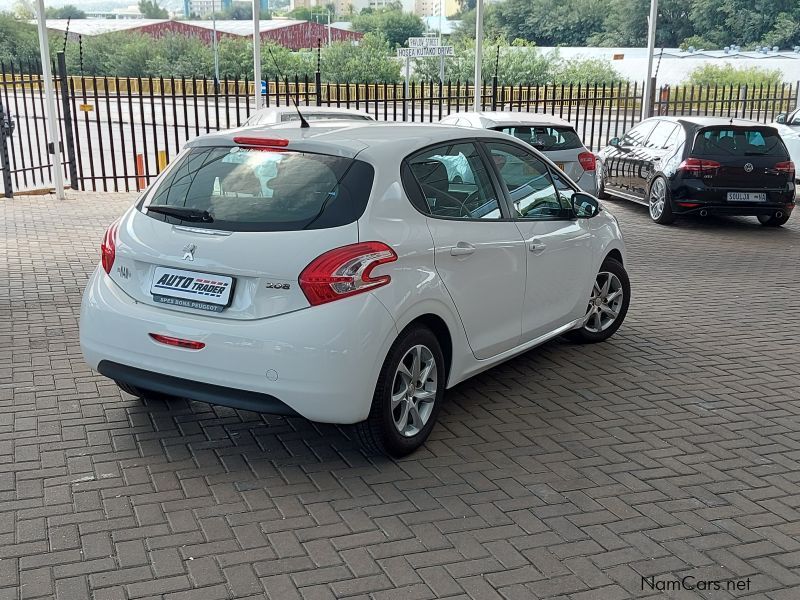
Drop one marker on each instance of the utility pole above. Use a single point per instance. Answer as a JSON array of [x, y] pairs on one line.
[[50, 101], [649, 85], [476, 105], [256, 52], [216, 49]]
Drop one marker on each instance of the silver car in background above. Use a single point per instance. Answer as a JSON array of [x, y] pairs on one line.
[[553, 137]]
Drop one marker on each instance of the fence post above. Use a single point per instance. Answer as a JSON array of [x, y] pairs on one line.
[[5, 165], [318, 74], [742, 100], [67, 114], [651, 98], [494, 92]]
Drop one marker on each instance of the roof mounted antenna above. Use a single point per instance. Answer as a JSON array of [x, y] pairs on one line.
[[303, 123]]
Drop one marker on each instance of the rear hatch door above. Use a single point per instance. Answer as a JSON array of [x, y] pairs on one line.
[[751, 158], [227, 231]]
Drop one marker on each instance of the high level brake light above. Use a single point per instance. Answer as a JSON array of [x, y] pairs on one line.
[[258, 142], [345, 271], [108, 249]]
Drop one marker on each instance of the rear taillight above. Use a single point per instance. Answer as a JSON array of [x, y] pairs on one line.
[[785, 167], [587, 160], [699, 166], [345, 271], [108, 249], [177, 342]]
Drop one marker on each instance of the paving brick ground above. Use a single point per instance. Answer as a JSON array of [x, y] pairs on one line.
[[571, 472]]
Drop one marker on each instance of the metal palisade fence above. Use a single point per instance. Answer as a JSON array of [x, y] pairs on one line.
[[118, 133]]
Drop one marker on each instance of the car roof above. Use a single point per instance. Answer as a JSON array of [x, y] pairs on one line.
[[349, 138], [698, 122], [495, 118]]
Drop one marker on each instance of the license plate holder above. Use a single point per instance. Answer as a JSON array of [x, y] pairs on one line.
[[747, 197], [191, 289]]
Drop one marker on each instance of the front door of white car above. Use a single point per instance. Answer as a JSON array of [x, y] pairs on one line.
[[558, 246], [478, 251]]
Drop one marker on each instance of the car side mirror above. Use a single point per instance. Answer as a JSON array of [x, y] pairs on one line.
[[613, 142], [781, 118], [584, 205]]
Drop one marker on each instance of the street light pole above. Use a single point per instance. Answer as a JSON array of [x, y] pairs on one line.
[[50, 104], [649, 86], [216, 50], [256, 52], [476, 105]]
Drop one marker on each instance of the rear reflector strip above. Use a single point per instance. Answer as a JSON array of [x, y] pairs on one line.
[[177, 342], [689, 204]]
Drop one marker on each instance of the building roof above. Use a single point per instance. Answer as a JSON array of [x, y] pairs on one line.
[[90, 27]]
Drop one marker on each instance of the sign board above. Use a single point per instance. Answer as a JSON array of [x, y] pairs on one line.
[[86, 108], [423, 42], [263, 88], [425, 51], [618, 57]]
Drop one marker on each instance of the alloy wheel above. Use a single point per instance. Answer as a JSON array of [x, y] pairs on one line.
[[414, 390], [658, 197], [605, 302]]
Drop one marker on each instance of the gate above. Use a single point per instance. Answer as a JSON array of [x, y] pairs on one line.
[[26, 145]]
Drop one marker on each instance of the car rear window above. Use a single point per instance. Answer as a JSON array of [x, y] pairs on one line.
[[247, 189], [738, 141], [545, 138]]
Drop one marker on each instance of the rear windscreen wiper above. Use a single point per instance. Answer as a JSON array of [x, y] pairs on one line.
[[181, 212]]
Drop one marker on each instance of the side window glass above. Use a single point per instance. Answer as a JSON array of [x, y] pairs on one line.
[[658, 139], [637, 135], [675, 138], [565, 192], [795, 118], [455, 182], [527, 179]]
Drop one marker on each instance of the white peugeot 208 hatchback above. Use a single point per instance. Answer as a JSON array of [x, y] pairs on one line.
[[348, 274]]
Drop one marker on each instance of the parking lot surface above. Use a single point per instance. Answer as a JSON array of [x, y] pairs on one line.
[[597, 472]]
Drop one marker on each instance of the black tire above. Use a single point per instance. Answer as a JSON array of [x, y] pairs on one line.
[[666, 216], [773, 221], [146, 395], [379, 434], [584, 334]]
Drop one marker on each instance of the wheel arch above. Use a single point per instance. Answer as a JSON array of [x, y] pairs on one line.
[[442, 332], [616, 255]]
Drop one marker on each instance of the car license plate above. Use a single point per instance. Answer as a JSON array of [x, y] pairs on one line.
[[560, 165], [191, 289], [747, 197]]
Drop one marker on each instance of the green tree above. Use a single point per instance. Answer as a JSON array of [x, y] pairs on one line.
[[151, 10], [369, 61], [239, 11], [67, 11], [392, 24], [24, 10], [19, 42]]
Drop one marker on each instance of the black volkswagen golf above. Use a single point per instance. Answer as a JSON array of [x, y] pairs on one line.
[[701, 165]]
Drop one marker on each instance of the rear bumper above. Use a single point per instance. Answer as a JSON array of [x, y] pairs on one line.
[[321, 363], [714, 201], [588, 182]]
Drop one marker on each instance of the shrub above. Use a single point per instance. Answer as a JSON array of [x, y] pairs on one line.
[[728, 74]]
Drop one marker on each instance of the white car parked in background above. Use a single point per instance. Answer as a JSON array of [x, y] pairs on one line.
[[288, 114], [346, 275], [554, 137]]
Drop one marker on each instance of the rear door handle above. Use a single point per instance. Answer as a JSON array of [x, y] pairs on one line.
[[462, 249], [536, 246]]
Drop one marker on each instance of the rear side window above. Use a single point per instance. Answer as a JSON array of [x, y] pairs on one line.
[[545, 138], [738, 141], [261, 190]]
